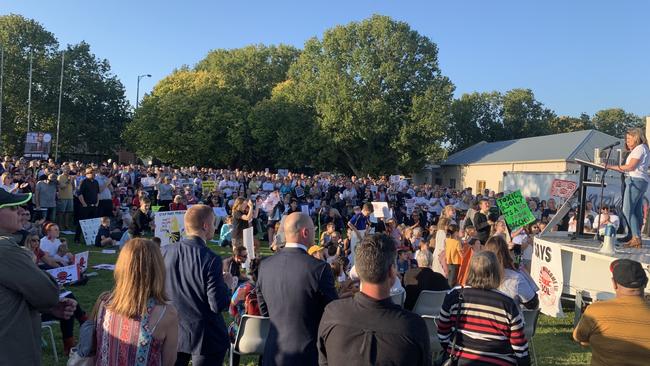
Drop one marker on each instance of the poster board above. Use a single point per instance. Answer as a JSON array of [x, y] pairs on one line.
[[65, 275], [394, 179], [249, 243], [219, 211], [305, 209], [300, 192], [208, 186], [515, 210], [81, 260], [148, 182], [89, 228], [547, 273], [381, 210], [268, 187], [170, 226], [563, 188], [37, 145], [283, 172]]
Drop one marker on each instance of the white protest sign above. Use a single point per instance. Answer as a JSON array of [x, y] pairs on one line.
[[546, 271], [394, 179], [316, 203], [267, 187], [170, 226], [219, 211], [65, 275], [148, 182], [373, 188], [249, 244], [283, 172], [381, 210], [300, 192], [81, 260], [305, 209], [90, 228]]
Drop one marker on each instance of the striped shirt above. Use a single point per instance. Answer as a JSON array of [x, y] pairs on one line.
[[491, 328]]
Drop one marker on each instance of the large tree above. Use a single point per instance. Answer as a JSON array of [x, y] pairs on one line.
[[189, 119], [475, 117], [524, 116], [377, 92], [564, 124], [615, 121], [94, 109]]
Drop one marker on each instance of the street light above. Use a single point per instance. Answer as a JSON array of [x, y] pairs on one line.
[[137, 95]]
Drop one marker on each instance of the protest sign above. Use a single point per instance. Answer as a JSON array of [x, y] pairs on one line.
[[155, 208], [248, 238], [373, 188], [148, 182], [267, 187], [65, 275], [546, 271], [81, 260], [219, 212], [515, 210], [381, 210], [316, 204], [305, 209], [170, 226], [299, 192], [394, 179], [283, 172], [108, 267], [89, 228], [563, 188], [208, 186]]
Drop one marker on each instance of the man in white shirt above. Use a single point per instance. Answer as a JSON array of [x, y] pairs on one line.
[[605, 218]]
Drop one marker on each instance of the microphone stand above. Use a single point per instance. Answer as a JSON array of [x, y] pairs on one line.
[[602, 192]]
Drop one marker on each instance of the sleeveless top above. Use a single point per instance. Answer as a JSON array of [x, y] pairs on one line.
[[125, 341]]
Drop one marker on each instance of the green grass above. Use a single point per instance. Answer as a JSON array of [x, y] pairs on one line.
[[553, 343]]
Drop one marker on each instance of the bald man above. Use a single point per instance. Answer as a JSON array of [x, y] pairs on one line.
[[293, 289]]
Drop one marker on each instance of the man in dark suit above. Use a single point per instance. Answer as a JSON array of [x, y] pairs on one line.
[[198, 289], [293, 289]]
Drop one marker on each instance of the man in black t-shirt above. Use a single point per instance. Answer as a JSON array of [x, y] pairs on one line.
[[141, 219], [482, 221], [88, 194]]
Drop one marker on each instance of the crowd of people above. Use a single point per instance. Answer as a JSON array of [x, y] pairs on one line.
[[327, 289]]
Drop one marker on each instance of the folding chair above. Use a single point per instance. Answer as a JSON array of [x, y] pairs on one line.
[[432, 327], [429, 302], [48, 326], [530, 327], [399, 298], [251, 336]]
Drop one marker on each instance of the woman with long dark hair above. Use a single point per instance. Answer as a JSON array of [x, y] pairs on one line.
[[636, 182]]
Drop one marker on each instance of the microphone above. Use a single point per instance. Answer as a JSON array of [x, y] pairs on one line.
[[611, 145]]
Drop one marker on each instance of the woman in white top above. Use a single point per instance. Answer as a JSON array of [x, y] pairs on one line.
[[439, 258], [636, 182]]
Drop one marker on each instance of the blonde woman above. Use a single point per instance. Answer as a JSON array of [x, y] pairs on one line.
[[135, 324], [636, 182]]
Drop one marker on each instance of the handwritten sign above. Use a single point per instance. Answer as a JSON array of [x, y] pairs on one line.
[[148, 182], [563, 188], [170, 226], [81, 260], [249, 242], [300, 192], [267, 187], [208, 186], [283, 172], [220, 211], [394, 179], [546, 271], [515, 210], [305, 209], [65, 275], [380, 209], [89, 228]]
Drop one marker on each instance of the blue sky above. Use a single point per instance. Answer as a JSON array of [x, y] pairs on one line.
[[577, 56]]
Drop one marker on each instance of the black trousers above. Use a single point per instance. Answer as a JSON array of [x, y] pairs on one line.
[[183, 359], [105, 208]]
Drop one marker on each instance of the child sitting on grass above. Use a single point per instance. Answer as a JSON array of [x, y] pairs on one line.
[[103, 238], [63, 254], [226, 232]]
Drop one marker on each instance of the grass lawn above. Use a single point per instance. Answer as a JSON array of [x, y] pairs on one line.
[[553, 343]]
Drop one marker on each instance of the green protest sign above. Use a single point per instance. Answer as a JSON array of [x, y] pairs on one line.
[[515, 210], [208, 186], [155, 208]]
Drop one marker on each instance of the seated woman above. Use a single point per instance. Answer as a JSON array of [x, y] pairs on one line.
[[500, 339], [515, 283], [244, 302], [42, 259]]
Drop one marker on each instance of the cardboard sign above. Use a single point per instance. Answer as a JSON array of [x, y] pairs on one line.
[[381, 210], [208, 186], [267, 187], [81, 260], [283, 172], [515, 210], [220, 211], [299, 192], [89, 228], [65, 275], [148, 182], [170, 226], [394, 179], [563, 188], [546, 271], [248, 236]]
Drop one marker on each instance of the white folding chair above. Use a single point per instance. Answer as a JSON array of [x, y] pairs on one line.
[[530, 327], [429, 302], [251, 336], [48, 327], [399, 298], [432, 327]]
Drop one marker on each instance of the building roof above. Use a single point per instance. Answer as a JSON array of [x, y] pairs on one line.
[[559, 147]]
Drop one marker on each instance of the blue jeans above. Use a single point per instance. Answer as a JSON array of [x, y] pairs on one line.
[[633, 203]]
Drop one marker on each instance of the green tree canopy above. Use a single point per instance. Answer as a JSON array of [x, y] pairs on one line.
[[377, 92], [564, 124], [615, 121], [94, 109]]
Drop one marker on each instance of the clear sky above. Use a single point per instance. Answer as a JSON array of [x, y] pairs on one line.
[[577, 56]]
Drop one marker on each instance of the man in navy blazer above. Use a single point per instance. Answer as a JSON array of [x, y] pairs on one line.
[[292, 290], [197, 288]]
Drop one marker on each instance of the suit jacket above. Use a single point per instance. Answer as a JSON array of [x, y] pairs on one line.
[[293, 289], [196, 288]]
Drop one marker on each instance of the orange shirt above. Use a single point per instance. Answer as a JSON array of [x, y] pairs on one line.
[[453, 251], [464, 265]]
